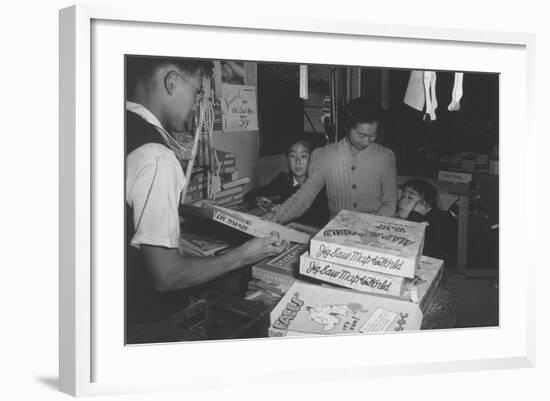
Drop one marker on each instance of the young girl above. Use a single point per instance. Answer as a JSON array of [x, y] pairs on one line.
[[418, 202], [286, 184]]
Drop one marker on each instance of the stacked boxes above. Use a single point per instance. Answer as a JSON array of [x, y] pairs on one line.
[[376, 259], [274, 276], [232, 186], [197, 185], [375, 243], [420, 290], [232, 192], [282, 269], [466, 162], [228, 162]]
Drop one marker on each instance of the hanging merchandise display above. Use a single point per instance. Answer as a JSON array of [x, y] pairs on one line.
[[457, 92], [421, 93], [203, 149]]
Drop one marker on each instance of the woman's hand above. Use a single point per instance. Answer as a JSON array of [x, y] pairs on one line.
[[260, 248], [272, 217], [263, 203], [422, 208]]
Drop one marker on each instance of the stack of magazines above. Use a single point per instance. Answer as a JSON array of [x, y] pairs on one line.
[[196, 245]]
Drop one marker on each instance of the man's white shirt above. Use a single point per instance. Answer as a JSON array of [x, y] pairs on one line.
[[154, 183]]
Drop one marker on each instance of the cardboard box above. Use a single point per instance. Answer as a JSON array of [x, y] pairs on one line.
[[421, 288], [314, 309], [275, 288], [255, 226], [376, 243], [283, 268], [351, 277], [455, 177]]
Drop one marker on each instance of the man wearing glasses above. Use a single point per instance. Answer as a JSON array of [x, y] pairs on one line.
[[359, 173], [160, 94]]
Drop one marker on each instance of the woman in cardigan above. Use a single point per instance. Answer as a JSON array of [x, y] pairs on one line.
[[359, 172]]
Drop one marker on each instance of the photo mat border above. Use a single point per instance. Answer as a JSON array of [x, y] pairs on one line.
[[76, 184]]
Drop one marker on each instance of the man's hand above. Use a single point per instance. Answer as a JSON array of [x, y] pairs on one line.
[[260, 248]]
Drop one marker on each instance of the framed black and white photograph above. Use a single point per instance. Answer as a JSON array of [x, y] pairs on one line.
[[440, 132], [276, 198]]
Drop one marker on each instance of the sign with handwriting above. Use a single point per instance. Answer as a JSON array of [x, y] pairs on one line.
[[239, 108]]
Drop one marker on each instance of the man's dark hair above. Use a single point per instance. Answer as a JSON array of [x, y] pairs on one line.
[[426, 190], [364, 110], [143, 67]]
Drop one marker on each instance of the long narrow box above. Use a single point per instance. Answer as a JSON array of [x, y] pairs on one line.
[[377, 243], [245, 222], [255, 226], [351, 277], [313, 309]]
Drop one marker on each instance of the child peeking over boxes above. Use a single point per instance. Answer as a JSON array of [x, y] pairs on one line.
[[418, 202]]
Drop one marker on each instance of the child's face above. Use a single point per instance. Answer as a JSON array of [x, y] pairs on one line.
[[408, 201], [411, 200], [410, 195], [298, 160]]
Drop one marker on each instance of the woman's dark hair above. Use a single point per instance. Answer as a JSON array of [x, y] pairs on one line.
[[364, 110], [426, 190], [143, 67]]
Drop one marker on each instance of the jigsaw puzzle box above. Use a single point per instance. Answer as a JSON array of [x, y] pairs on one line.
[[377, 243]]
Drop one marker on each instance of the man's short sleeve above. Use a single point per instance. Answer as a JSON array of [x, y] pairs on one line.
[[154, 182]]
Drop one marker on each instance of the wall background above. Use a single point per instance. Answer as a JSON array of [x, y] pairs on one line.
[[29, 196]]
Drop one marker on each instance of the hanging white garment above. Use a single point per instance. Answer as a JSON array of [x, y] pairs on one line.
[[457, 92], [414, 95], [429, 92]]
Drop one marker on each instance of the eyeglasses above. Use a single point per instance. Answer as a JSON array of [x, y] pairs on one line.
[[199, 90]]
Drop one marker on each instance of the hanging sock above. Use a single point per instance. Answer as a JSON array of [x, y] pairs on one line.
[[457, 92], [429, 91], [431, 112], [304, 91], [427, 80]]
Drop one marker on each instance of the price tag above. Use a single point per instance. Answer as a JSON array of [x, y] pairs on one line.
[[379, 321]]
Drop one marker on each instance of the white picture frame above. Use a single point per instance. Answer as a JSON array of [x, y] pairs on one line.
[[87, 367]]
